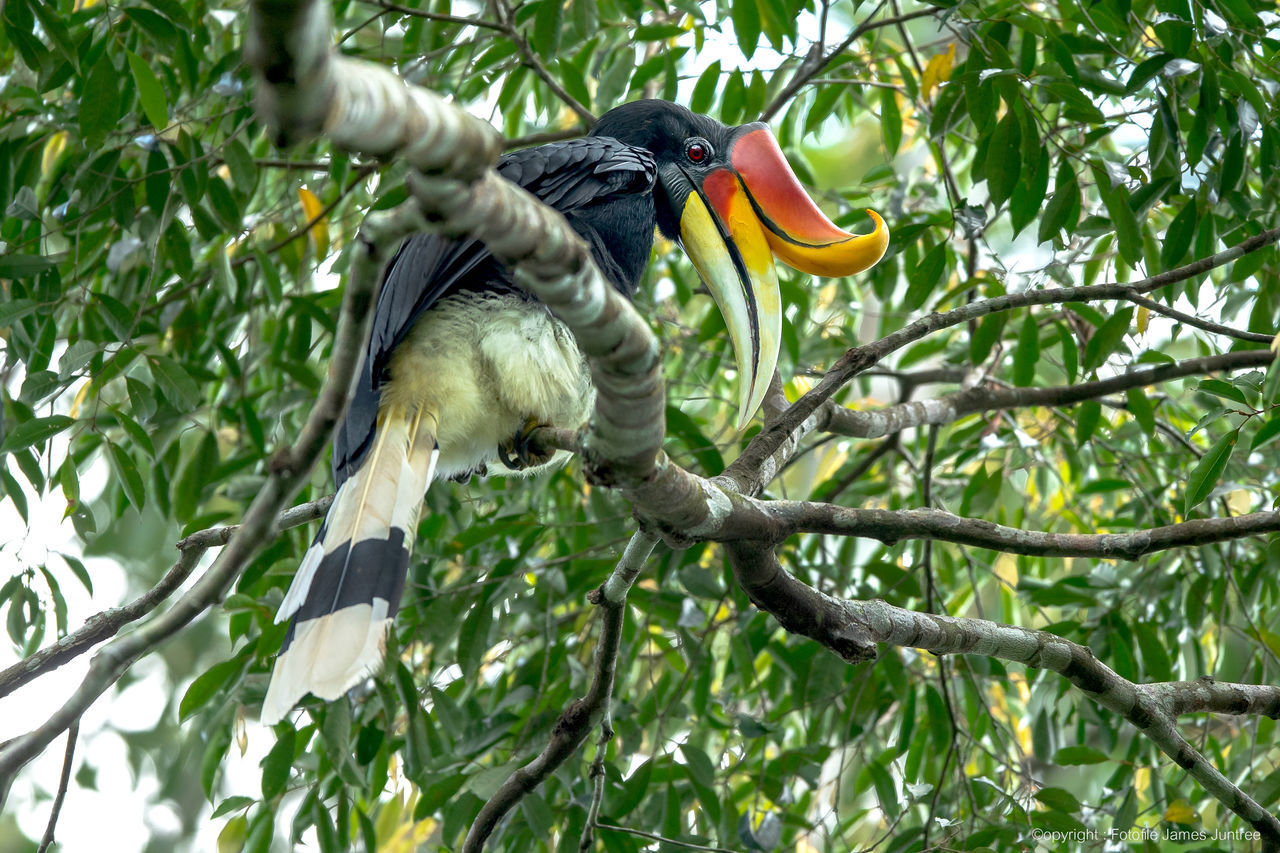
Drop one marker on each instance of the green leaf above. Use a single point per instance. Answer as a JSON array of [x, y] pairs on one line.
[[25, 266], [278, 762], [206, 685], [890, 121], [176, 384], [1063, 209], [1226, 390], [1079, 755], [1004, 158], [546, 28], [1209, 470], [232, 804], [1059, 799], [923, 278], [150, 92], [985, 336], [746, 25], [127, 471], [1107, 338], [1142, 410], [1154, 654], [1177, 237], [35, 431], [886, 791], [704, 91], [1125, 222], [15, 309], [100, 103], [1266, 432], [78, 569], [1027, 355], [1087, 418], [473, 637]]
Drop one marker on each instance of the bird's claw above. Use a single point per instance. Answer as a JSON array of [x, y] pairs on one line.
[[516, 452]]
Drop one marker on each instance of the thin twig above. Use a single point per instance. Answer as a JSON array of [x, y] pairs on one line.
[[639, 833], [874, 423], [768, 441], [104, 625], [575, 721], [534, 64], [63, 781], [816, 62], [438, 16], [289, 470], [1198, 322]]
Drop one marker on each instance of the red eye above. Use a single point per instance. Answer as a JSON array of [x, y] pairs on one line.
[[697, 152]]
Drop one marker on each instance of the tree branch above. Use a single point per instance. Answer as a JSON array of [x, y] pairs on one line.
[[107, 624], [288, 471], [1206, 695], [1199, 323], [63, 781], [860, 358], [577, 720], [438, 16], [816, 61], [534, 64], [874, 423], [833, 622], [774, 521]]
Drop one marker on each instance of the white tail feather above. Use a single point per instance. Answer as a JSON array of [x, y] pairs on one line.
[[333, 651]]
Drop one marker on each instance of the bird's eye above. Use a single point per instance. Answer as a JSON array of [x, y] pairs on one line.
[[697, 150]]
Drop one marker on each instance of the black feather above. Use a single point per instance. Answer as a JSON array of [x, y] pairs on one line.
[[604, 189]]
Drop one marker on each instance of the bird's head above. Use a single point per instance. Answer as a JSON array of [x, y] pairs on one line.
[[728, 196]]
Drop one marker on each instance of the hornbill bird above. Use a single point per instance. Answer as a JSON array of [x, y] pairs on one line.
[[462, 363]]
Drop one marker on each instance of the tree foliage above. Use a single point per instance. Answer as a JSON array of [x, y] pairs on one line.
[[171, 292]]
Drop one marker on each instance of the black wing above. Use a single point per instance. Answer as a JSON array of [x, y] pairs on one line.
[[576, 178]]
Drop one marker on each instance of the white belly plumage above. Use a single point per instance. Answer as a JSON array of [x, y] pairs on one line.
[[486, 365]]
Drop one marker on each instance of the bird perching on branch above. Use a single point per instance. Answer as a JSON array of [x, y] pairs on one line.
[[462, 364]]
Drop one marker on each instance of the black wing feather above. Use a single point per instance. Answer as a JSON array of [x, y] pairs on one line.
[[574, 177]]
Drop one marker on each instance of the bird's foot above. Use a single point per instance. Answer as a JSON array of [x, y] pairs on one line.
[[518, 454], [480, 470]]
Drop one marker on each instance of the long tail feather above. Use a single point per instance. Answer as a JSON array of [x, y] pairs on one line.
[[349, 584]]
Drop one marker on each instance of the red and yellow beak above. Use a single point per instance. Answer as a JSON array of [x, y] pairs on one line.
[[734, 220]]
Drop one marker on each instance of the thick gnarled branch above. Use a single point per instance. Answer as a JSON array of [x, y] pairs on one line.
[[835, 622]]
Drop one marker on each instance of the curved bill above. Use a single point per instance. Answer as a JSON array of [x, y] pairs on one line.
[[732, 225], [800, 235], [738, 270]]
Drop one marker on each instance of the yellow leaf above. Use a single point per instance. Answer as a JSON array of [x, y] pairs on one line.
[[319, 229], [1272, 640], [54, 147], [1275, 343], [384, 826], [234, 835], [242, 732], [1144, 315], [1239, 501], [1180, 811], [938, 70], [81, 396], [1142, 783], [1006, 569]]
